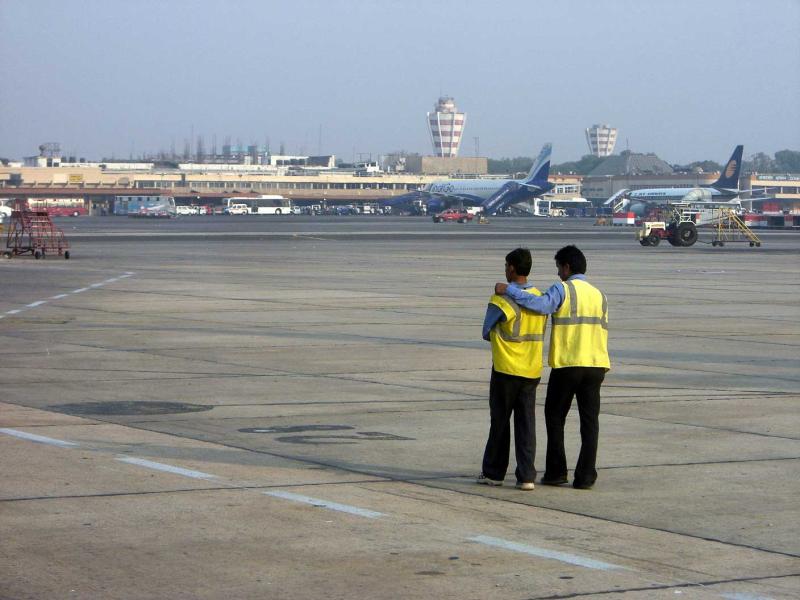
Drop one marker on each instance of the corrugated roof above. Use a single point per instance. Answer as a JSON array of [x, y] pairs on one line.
[[629, 163]]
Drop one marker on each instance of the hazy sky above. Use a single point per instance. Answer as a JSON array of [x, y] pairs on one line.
[[686, 79]]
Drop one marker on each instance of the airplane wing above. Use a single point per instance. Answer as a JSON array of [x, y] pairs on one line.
[[755, 198]]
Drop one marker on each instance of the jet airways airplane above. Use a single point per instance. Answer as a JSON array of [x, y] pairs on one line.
[[490, 194], [725, 190]]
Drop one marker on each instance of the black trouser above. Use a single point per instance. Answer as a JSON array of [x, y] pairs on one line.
[[507, 394], [583, 383]]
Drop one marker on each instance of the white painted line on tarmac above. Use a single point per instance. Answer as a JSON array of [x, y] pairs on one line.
[[572, 559], [166, 468], [345, 508], [32, 437], [60, 296]]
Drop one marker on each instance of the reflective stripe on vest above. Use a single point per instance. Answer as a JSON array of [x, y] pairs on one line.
[[574, 319], [514, 336], [580, 328], [517, 342]]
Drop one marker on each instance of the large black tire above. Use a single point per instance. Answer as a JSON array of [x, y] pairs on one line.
[[37, 254], [686, 234], [654, 239], [644, 241]]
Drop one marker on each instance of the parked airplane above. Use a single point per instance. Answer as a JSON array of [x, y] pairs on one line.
[[725, 190], [490, 194]]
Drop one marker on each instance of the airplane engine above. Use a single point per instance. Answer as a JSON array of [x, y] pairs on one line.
[[697, 195]]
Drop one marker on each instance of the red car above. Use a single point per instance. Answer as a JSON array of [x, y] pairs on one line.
[[453, 214]]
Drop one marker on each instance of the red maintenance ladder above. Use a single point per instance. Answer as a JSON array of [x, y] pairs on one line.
[[33, 232]]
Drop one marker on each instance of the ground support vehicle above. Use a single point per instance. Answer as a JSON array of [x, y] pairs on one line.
[[33, 232], [676, 225], [730, 228], [681, 230], [452, 214], [651, 233], [675, 232]]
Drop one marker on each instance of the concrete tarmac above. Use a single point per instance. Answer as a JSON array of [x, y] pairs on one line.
[[296, 407]]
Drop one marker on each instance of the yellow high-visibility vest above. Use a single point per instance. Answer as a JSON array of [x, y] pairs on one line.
[[580, 328], [518, 341]]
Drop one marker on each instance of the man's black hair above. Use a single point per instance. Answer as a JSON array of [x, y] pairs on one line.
[[520, 259], [570, 255]]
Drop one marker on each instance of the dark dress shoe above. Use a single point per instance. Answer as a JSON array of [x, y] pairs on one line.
[[558, 481], [578, 485]]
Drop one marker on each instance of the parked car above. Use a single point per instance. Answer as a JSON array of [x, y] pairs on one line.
[[345, 210], [238, 209], [452, 214]]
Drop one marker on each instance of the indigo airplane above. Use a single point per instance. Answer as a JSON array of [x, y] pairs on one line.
[[489, 194], [724, 191]]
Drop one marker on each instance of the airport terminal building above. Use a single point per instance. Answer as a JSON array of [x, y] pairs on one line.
[[98, 184]]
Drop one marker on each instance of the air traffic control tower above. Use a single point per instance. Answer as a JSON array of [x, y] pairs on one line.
[[446, 126], [601, 139]]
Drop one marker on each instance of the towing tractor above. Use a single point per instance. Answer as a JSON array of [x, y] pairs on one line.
[[677, 232], [681, 228]]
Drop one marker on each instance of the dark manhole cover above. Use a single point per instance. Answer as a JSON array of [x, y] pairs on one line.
[[132, 407]]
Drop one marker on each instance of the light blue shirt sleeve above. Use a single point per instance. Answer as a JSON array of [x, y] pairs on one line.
[[493, 316], [546, 304]]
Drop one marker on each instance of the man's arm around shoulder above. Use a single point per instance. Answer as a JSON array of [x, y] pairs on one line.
[[546, 304]]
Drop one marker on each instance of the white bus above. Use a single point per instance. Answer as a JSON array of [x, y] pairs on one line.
[[261, 205], [547, 206]]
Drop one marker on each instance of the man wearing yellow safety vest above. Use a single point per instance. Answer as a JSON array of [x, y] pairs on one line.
[[579, 360], [517, 337]]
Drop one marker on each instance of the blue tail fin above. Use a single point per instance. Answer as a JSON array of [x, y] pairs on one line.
[[541, 166], [729, 178]]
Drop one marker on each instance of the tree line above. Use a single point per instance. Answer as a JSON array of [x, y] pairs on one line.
[[784, 161]]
